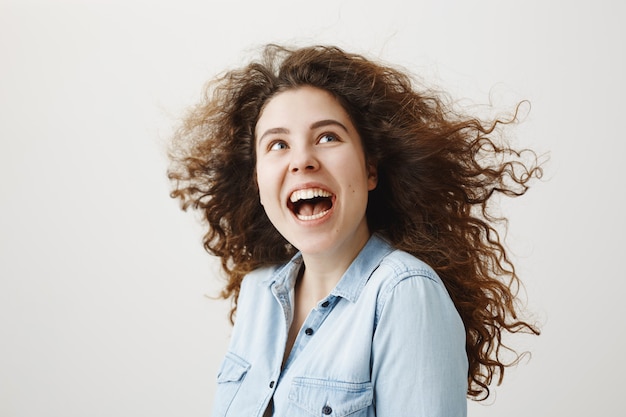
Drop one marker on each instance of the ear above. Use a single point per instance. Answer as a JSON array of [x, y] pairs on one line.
[[372, 176]]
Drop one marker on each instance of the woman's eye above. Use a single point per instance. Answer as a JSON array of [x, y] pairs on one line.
[[277, 146], [328, 137]]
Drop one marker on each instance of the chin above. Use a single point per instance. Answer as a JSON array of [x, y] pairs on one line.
[[311, 244]]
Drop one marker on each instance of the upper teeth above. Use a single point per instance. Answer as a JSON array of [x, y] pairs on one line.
[[308, 194]]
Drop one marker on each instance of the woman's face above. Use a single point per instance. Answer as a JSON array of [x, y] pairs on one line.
[[311, 171]]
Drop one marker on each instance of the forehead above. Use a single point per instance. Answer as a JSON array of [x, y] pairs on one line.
[[301, 105]]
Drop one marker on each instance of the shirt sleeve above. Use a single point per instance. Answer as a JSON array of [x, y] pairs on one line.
[[419, 364]]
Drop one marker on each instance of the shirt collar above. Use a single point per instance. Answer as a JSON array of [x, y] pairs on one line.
[[353, 280], [358, 273]]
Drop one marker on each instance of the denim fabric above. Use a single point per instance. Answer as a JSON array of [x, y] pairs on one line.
[[386, 342]]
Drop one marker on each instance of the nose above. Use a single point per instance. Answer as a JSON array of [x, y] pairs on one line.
[[303, 159]]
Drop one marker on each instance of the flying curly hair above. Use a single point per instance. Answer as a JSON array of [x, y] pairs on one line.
[[438, 169]]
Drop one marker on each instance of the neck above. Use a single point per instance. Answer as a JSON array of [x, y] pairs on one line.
[[323, 271]]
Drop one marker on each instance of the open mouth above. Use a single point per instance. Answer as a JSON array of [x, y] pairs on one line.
[[311, 203]]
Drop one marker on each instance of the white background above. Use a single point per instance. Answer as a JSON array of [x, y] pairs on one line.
[[103, 280]]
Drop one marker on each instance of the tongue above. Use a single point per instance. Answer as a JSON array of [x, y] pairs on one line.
[[312, 208]]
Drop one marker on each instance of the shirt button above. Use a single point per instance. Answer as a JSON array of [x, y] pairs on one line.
[[325, 304], [327, 410], [308, 331], [272, 384]]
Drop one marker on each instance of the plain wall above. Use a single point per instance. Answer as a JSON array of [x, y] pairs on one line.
[[103, 280]]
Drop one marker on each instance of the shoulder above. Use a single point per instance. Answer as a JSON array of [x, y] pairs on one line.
[[254, 296], [403, 278], [252, 284], [398, 266], [268, 275], [380, 266], [258, 276]]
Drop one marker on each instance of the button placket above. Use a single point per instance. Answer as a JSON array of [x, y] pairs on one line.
[[311, 325]]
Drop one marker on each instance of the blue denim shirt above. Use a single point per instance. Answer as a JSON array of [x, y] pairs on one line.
[[386, 342]]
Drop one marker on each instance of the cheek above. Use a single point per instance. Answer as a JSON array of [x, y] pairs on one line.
[[262, 197], [264, 185]]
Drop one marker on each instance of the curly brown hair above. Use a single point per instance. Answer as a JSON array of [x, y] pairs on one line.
[[437, 171]]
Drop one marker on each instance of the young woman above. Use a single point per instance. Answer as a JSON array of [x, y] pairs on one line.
[[350, 213]]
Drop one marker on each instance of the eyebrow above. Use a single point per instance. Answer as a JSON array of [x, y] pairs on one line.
[[328, 122], [272, 131], [316, 125]]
